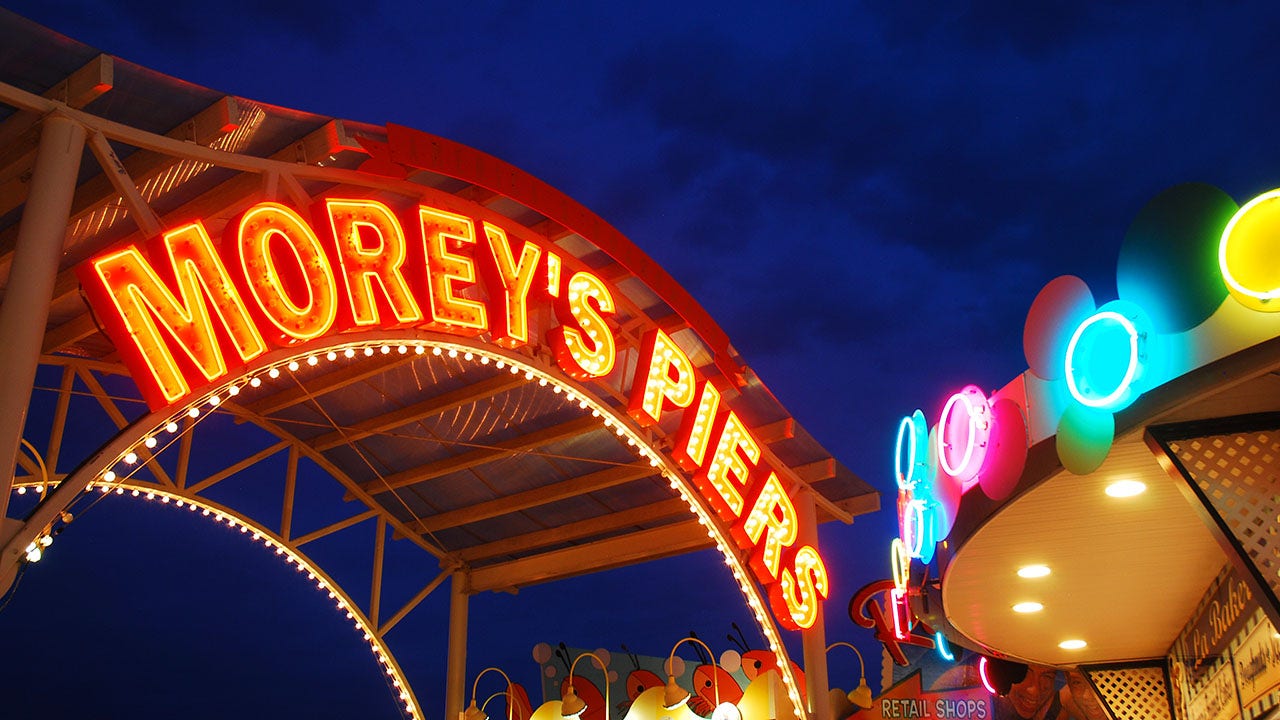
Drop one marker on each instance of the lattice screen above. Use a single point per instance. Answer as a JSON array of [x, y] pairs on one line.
[[1240, 474], [1132, 693]]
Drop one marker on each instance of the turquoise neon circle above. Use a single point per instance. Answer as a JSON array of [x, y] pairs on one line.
[[1133, 362], [915, 431]]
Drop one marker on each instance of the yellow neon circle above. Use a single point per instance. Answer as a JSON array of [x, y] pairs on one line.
[[900, 564], [1248, 253]]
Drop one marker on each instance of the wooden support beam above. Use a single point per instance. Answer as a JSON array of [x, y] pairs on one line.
[[69, 333], [76, 90], [605, 555], [775, 432], [359, 369], [335, 527], [226, 199], [375, 593], [290, 488], [118, 418], [480, 456], [444, 402], [816, 471], [854, 506], [498, 507], [60, 419], [568, 532], [413, 602], [230, 470]]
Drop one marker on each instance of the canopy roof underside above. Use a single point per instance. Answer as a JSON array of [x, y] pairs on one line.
[[493, 471]]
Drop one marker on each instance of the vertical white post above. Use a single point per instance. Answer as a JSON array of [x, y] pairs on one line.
[[26, 299], [814, 639], [455, 684]]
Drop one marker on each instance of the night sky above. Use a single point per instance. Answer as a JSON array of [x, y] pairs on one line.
[[866, 199]]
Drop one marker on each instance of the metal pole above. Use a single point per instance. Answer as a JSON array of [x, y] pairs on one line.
[[814, 639], [455, 684], [25, 311]]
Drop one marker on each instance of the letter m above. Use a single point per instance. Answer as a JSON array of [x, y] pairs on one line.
[[164, 327]]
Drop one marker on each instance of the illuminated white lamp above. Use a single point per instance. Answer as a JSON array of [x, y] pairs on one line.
[[368, 351], [1029, 606], [130, 458], [673, 696], [331, 356], [312, 360], [349, 353], [418, 350], [173, 426], [453, 352], [386, 349], [193, 413], [1126, 488], [402, 349], [474, 712], [108, 476], [1033, 571], [273, 373], [293, 366], [1073, 644], [149, 442], [861, 695], [22, 489], [214, 400], [255, 381]]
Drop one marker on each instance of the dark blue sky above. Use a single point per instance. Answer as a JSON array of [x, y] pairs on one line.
[[866, 198]]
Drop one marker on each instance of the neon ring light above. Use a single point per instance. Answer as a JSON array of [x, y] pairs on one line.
[[1252, 243], [1133, 361], [974, 418], [914, 430]]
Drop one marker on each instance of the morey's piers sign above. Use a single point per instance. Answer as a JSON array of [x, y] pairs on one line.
[[186, 312]]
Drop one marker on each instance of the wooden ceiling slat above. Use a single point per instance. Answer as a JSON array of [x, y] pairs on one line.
[[327, 383], [444, 402], [577, 530], [594, 557], [517, 502], [480, 456]]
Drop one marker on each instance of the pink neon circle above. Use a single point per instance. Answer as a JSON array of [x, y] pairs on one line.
[[982, 673], [978, 427]]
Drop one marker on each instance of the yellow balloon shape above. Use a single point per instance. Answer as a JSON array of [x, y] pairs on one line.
[[1249, 254]]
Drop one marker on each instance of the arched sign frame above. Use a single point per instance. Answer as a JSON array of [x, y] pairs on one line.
[[284, 176]]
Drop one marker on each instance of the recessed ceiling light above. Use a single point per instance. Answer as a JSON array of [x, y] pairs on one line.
[[1126, 488], [1033, 571], [1028, 607], [1072, 644]]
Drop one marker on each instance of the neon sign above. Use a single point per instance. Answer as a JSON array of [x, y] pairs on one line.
[[185, 313], [1247, 253], [1087, 362]]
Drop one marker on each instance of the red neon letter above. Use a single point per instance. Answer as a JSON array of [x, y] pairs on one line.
[[770, 528], [145, 318], [449, 273], [795, 596], [370, 248], [730, 467], [668, 379], [281, 257], [583, 344], [509, 309]]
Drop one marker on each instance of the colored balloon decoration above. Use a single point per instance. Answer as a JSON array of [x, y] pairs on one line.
[[1168, 263]]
